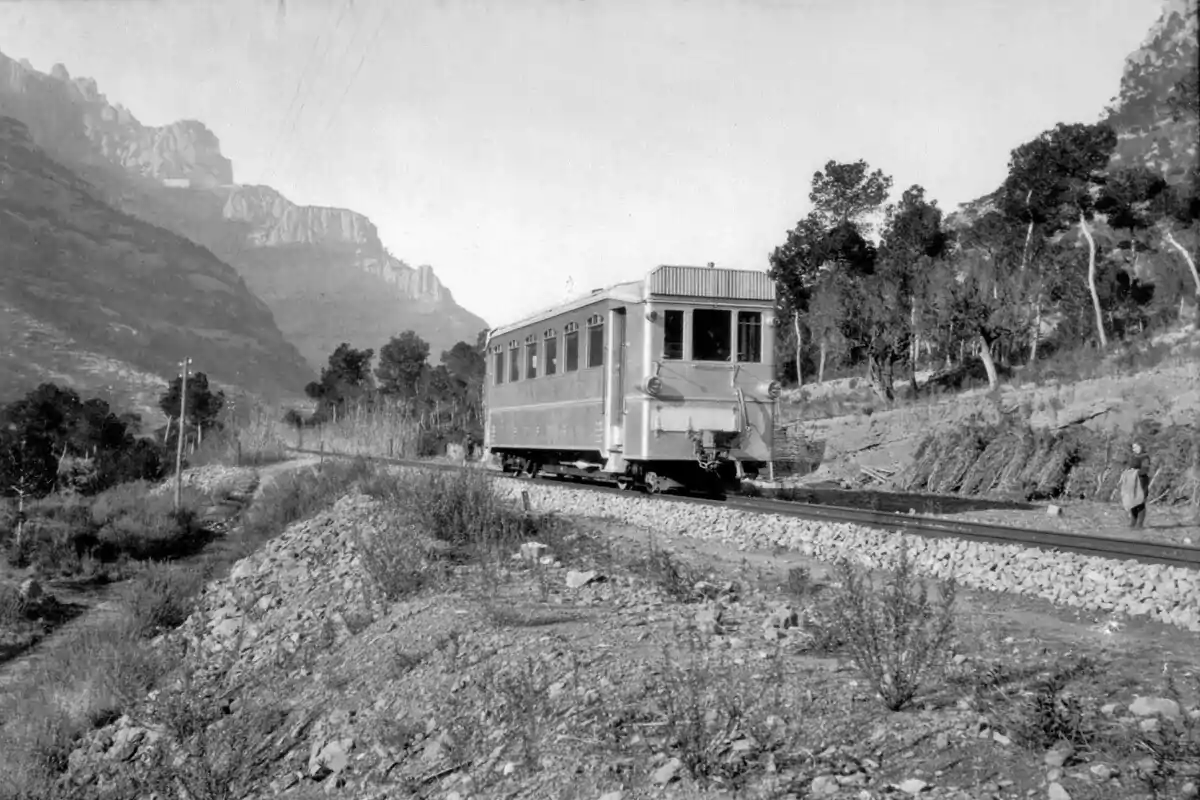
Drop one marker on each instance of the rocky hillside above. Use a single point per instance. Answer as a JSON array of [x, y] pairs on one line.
[[323, 272], [1150, 134], [104, 301]]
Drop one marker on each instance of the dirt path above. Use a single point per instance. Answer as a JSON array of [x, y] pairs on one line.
[[98, 606]]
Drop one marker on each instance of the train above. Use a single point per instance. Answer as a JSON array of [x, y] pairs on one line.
[[663, 384]]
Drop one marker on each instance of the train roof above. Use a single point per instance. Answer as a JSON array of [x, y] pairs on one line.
[[665, 280]]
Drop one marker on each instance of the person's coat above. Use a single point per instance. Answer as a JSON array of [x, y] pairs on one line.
[[1133, 494]]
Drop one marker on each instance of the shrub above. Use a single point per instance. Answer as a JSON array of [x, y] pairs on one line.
[[395, 562], [895, 635], [462, 508], [161, 598], [134, 521], [299, 494], [12, 605]]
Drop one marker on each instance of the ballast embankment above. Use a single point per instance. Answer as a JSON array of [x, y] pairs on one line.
[[1162, 593]]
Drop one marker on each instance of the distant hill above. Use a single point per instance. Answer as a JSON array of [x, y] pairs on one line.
[[108, 303], [323, 272]]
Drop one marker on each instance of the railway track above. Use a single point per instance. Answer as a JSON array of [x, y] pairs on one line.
[[1109, 547]]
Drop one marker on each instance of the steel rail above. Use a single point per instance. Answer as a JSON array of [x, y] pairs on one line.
[[1109, 547]]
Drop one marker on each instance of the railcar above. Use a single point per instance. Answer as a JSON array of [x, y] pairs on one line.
[[662, 384]]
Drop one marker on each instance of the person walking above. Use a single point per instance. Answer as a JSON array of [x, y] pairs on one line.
[[1135, 486]]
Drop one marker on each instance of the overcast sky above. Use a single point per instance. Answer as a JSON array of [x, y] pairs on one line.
[[512, 144]]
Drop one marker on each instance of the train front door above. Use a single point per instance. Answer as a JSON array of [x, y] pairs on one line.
[[614, 384]]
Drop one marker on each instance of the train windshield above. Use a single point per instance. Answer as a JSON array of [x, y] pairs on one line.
[[718, 335], [711, 334]]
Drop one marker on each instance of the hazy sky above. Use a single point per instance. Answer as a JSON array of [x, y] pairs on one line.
[[514, 143]]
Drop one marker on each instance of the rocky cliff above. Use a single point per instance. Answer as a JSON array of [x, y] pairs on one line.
[[1155, 79], [106, 302], [72, 118], [323, 272], [273, 221]]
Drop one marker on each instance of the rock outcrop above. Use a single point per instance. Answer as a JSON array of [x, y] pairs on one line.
[[71, 115], [276, 221]]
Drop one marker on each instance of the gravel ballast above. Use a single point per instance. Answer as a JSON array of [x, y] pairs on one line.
[[1166, 594]]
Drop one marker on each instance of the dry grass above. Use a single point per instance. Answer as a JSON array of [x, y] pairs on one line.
[[92, 672], [260, 440], [383, 432]]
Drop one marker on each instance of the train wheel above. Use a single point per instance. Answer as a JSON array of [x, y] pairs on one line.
[[653, 483]]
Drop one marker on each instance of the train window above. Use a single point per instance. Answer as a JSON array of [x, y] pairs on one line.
[[595, 347], [673, 334], [498, 366], [531, 363], [711, 334], [571, 345], [514, 363], [749, 337], [551, 355]]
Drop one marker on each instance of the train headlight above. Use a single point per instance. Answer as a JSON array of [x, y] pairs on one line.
[[652, 385], [774, 390]]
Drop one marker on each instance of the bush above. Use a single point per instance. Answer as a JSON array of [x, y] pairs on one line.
[[12, 605], [299, 494], [462, 508], [895, 635], [161, 598], [130, 520]]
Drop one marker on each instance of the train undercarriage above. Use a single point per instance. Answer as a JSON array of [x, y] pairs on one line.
[[711, 473]]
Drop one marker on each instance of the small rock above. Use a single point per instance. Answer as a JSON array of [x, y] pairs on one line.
[[1058, 755], [532, 551], [913, 786], [577, 580], [708, 620], [667, 772], [783, 617], [617, 795], [1102, 772], [437, 749], [1154, 706], [1053, 510], [1189, 791], [823, 786], [1057, 792]]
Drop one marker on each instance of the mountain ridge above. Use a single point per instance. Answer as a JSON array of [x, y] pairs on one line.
[[100, 299], [175, 176]]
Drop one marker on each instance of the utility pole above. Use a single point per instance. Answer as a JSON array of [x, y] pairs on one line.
[[182, 431]]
